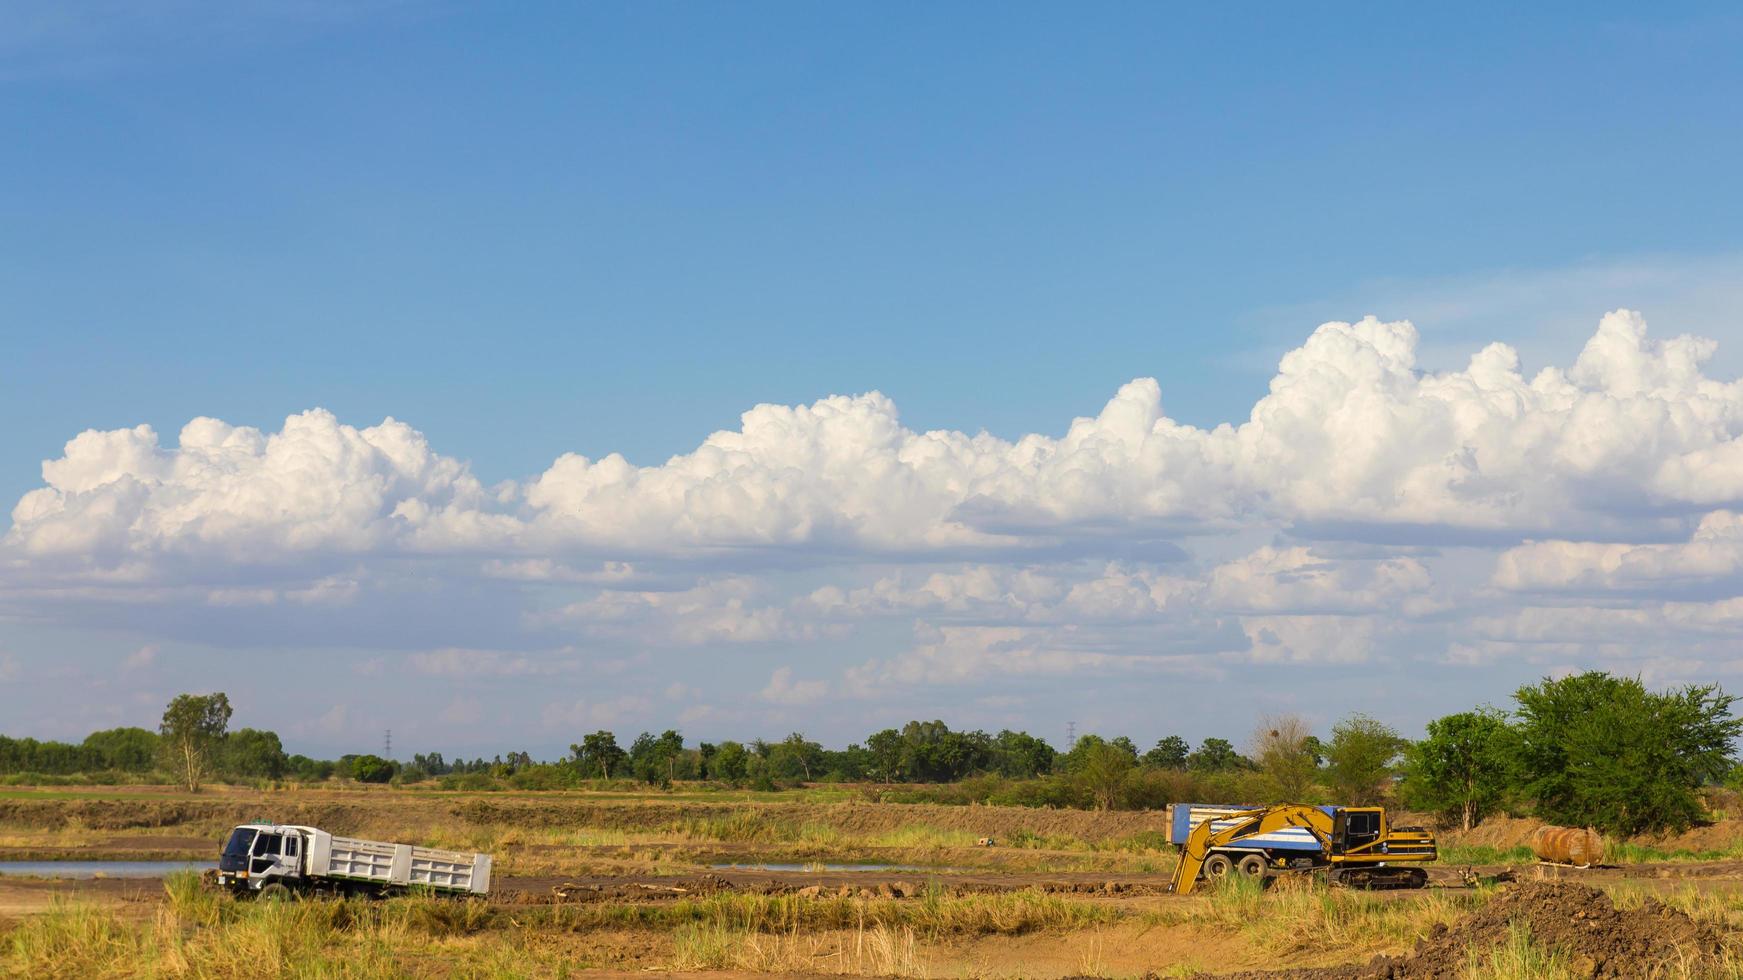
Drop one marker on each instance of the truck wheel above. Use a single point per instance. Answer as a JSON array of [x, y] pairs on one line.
[[1253, 866], [1217, 867], [275, 893]]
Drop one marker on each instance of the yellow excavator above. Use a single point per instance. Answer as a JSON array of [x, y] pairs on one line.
[[1353, 845]]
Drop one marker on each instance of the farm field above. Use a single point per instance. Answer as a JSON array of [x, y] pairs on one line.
[[821, 882]]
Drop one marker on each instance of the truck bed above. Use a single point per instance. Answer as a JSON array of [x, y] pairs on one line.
[[385, 863]]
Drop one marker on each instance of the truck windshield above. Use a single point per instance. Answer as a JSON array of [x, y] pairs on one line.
[[235, 857]]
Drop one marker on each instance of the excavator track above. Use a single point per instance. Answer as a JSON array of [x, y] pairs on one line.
[[1378, 879]]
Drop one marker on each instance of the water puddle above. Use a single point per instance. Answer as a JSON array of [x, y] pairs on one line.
[[101, 869]]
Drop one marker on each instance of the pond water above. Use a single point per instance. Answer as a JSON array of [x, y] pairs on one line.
[[775, 866], [107, 869]]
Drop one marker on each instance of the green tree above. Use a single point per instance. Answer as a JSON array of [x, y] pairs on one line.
[[1463, 767], [654, 758], [251, 752], [369, 768], [1215, 755], [434, 765], [598, 754], [1020, 755], [1088, 745], [886, 753], [930, 752], [310, 770], [1360, 759], [192, 730], [126, 749], [668, 747], [795, 757], [1103, 768], [1286, 758], [1170, 753], [730, 762], [1603, 751]]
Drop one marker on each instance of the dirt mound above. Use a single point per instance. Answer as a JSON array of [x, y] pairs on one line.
[[1579, 922]]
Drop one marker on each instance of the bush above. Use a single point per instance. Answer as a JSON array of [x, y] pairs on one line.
[[371, 768], [543, 777], [470, 782]]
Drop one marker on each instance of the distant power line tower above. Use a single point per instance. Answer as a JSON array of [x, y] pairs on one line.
[[387, 744], [1070, 735]]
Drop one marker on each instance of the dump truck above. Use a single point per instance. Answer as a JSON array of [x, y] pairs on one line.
[[273, 860], [1352, 845]]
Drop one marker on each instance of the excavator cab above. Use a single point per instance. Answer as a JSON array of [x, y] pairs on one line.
[[1355, 828]]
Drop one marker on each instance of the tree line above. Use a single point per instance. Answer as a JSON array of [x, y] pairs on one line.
[[1586, 750]]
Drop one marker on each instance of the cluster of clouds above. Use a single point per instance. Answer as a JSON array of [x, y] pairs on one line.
[[1351, 432], [1365, 507]]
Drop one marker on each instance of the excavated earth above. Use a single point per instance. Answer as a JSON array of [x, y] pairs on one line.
[[1580, 922]]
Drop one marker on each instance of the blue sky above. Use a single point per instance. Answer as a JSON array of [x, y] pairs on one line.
[[533, 230]]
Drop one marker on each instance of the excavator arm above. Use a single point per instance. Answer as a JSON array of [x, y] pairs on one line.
[[1204, 838]]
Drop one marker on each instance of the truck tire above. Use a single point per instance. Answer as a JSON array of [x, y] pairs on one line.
[[275, 892], [1253, 866], [1217, 867]]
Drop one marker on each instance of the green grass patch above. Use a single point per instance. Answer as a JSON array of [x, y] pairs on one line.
[[1462, 854]]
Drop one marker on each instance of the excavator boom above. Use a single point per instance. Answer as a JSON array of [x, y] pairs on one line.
[[1247, 823]]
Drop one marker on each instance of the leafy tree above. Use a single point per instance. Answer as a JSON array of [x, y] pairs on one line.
[[1170, 753], [730, 762], [1360, 758], [1286, 759], [1019, 755], [1605, 752], [851, 764], [127, 749], [369, 768], [598, 754], [668, 747], [1215, 755], [434, 764], [931, 752], [1088, 745], [795, 758], [653, 758], [886, 753], [310, 770], [193, 727], [251, 752], [1463, 767], [1103, 768]]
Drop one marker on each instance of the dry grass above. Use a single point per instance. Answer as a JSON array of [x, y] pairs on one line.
[[1304, 918], [196, 933], [878, 951]]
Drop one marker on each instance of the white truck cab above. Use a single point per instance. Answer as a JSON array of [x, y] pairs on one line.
[[257, 855]]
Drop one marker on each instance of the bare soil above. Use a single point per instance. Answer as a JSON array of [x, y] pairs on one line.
[[1579, 921]]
